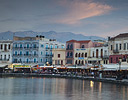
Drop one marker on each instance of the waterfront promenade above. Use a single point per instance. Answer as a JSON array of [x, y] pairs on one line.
[[90, 78]]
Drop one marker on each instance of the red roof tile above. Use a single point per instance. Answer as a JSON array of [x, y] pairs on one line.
[[84, 41]]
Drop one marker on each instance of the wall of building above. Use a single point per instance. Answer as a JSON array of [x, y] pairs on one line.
[[58, 56], [6, 51]]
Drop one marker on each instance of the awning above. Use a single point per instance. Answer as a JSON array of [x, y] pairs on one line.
[[3, 65]]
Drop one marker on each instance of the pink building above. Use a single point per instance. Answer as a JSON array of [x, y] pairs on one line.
[[74, 44]]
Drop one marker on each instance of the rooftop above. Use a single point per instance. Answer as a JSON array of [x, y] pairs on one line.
[[82, 41], [122, 35]]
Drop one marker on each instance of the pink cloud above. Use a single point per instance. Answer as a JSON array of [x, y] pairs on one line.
[[77, 11]]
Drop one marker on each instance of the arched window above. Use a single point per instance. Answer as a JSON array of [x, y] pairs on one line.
[[79, 62], [85, 54], [76, 54], [82, 55], [101, 53], [76, 62], [97, 53], [93, 53], [82, 62], [9, 46], [5, 47], [79, 54], [82, 46]]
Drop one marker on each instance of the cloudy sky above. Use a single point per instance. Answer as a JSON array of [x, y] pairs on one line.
[[88, 17]]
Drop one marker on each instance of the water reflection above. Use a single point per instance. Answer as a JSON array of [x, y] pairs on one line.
[[56, 88]]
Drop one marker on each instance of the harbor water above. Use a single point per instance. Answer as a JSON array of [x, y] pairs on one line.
[[59, 89]]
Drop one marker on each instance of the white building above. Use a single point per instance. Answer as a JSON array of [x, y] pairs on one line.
[[34, 50], [99, 55], [5, 52]]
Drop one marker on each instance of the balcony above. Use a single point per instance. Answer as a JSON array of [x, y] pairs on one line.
[[69, 48], [4, 59], [69, 56], [115, 51]]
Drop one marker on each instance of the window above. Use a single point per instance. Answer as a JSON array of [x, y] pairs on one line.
[[4, 57], [82, 46], [79, 54], [27, 45], [46, 46], [116, 46], [111, 60], [15, 52], [82, 55], [120, 46], [61, 62], [58, 55], [20, 52], [76, 55], [111, 47], [34, 60], [41, 53], [71, 54], [1, 57], [85, 54], [124, 46], [93, 53], [9, 46], [15, 45], [20, 45], [34, 52], [1, 46], [41, 60], [27, 60], [34, 45], [127, 46], [42, 45], [8, 56], [27, 53], [5, 47]]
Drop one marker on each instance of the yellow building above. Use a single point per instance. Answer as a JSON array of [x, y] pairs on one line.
[[81, 56], [58, 56]]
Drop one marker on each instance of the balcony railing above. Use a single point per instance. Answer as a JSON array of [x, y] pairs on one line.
[[69, 48], [115, 51], [4, 59], [69, 56]]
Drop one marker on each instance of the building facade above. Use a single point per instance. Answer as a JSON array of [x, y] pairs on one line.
[[118, 48], [81, 56], [34, 50], [99, 55], [6, 52], [72, 45], [58, 56]]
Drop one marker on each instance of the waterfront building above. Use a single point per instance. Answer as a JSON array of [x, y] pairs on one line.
[[34, 50], [72, 45], [99, 55], [118, 48], [58, 56], [81, 56], [5, 53]]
